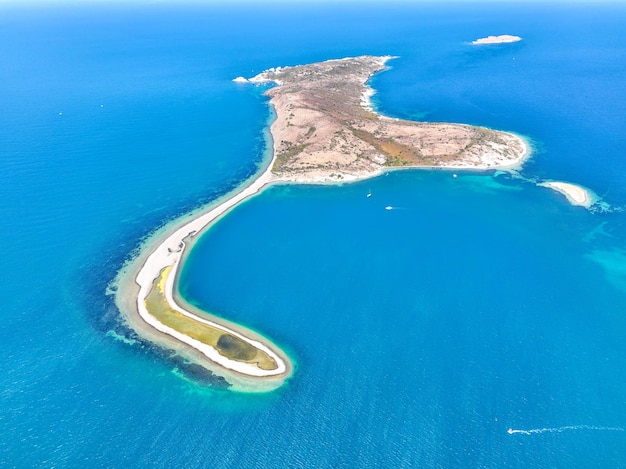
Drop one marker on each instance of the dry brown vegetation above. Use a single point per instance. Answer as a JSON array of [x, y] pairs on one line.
[[322, 127], [226, 344]]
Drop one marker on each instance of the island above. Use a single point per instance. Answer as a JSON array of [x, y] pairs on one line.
[[503, 39], [325, 131]]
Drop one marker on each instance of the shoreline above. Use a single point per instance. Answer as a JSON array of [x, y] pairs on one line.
[[327, 127], [131, 290], [322, 179], [168, 246], [162, 254], [368, 105]]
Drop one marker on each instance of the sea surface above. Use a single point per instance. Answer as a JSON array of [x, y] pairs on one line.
[[420, 334]]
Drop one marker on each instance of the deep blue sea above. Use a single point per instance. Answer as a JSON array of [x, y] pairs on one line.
[[420, 335]]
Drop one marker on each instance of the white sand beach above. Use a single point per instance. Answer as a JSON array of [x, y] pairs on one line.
[[577, 195]]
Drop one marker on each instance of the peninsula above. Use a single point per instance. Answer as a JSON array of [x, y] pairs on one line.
[[325, 131]]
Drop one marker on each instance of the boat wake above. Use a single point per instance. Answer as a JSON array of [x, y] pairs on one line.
[[533, 431]]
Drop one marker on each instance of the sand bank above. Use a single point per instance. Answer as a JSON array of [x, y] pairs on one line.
[[503, 39], [577, 195]]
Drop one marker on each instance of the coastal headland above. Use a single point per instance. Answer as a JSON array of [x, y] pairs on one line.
[[325, 131]]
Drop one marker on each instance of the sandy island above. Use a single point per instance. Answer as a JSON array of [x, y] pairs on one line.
[[325, 131], [503, 39], [575, 194]]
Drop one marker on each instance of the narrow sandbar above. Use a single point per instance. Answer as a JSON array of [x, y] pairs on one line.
[[158, 266]]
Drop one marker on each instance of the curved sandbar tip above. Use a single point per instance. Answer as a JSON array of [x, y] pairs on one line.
[[324, 131], [225, 346], [576, 195]]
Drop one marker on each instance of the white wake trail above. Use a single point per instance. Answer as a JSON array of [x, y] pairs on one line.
[[511, 431]]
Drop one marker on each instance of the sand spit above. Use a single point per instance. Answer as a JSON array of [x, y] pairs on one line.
[[167, 251], [577, 195]]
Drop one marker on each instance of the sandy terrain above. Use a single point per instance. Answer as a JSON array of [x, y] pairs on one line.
[[575, 194], [325, 128]]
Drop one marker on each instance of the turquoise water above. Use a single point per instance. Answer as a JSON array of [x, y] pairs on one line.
[[420, 334]]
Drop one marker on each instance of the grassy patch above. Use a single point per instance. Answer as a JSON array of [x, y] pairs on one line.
[[226, 344], [396, 153], [288, 153]]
